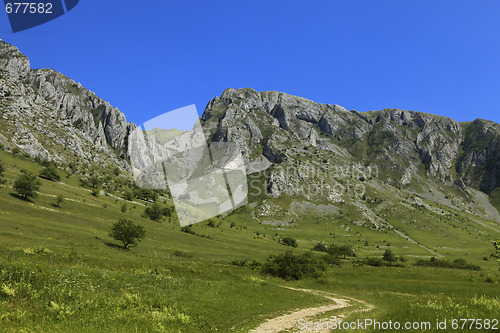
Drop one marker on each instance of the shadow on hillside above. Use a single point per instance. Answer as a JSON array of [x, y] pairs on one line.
[[17, 196], [116, 246]]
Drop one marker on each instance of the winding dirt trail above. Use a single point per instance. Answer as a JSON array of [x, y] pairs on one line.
[[290, 321]]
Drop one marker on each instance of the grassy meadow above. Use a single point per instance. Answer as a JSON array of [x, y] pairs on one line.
[[61, 272]]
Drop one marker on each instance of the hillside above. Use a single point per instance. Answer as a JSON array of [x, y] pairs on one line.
[[422, 186]]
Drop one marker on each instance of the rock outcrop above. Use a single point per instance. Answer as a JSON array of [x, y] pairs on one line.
[[53, 117]]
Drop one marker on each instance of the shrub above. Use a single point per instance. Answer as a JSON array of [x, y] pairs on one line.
[[128, 195], [50, 173], [182, 254], [237, 262], [94, 181], [378, 262], [341, 251], [389, 256], [188, 230], [145, 194], [124, 208], [16, 150], [332, 260], [288, 241], [125, 231], [293, 267], [252, 264], [95, 192], [154, 212], [496, 246], [27, 185], [2, 172], [320, 247], [59, 200], [457, 264]]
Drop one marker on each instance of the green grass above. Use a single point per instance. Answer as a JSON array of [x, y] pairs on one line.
[[178, 282]]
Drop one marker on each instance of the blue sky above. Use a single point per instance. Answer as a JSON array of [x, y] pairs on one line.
[[149, 57]]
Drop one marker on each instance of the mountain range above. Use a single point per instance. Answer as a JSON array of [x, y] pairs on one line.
[[321, 156]]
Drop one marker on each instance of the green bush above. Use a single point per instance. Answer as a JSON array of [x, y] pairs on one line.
[[50, 173], [154, 212], [252, 264], [320, 247], [59, 200], [2, 172], [27, 185], [389, 256], [378, 262], [293, 267], [288, 241], [128, 195], [188, 230], [457, 264], [125, 231], [341, 251]]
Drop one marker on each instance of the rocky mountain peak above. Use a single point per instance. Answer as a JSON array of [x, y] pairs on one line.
[[51, 116], [13, 63]]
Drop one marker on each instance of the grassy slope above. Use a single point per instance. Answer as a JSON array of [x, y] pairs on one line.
[[84, 284]]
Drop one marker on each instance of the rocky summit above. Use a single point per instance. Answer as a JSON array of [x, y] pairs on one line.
[[321, 156]]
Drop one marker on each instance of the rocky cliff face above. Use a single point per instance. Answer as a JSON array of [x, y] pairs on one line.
[[51, 116], [404, 145]]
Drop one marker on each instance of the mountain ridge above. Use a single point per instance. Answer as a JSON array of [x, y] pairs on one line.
[[50, 116]]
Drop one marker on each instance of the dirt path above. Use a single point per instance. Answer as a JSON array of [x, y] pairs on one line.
[[290, 321]]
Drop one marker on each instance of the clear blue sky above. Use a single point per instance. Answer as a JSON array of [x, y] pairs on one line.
[[149, 57]]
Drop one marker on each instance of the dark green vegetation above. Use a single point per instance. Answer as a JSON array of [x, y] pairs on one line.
[[457, 263], [293, 267], [127, 232], [496, 245], [27, 185], [50, 173], [2, 172], [60, 271]]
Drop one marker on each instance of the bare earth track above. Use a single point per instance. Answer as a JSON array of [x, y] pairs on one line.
[[290, 321]]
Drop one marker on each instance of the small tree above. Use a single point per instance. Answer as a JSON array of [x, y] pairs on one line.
[[128, 195], [389, 256], [27, 185], [95, 182], [341, 251], [154, 212], [50, 173], [124, 208], [125, 231], [59, 200], [2, 172], [346, 251], [320, 247], [95, 192], [496, 245], [288, 241]]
